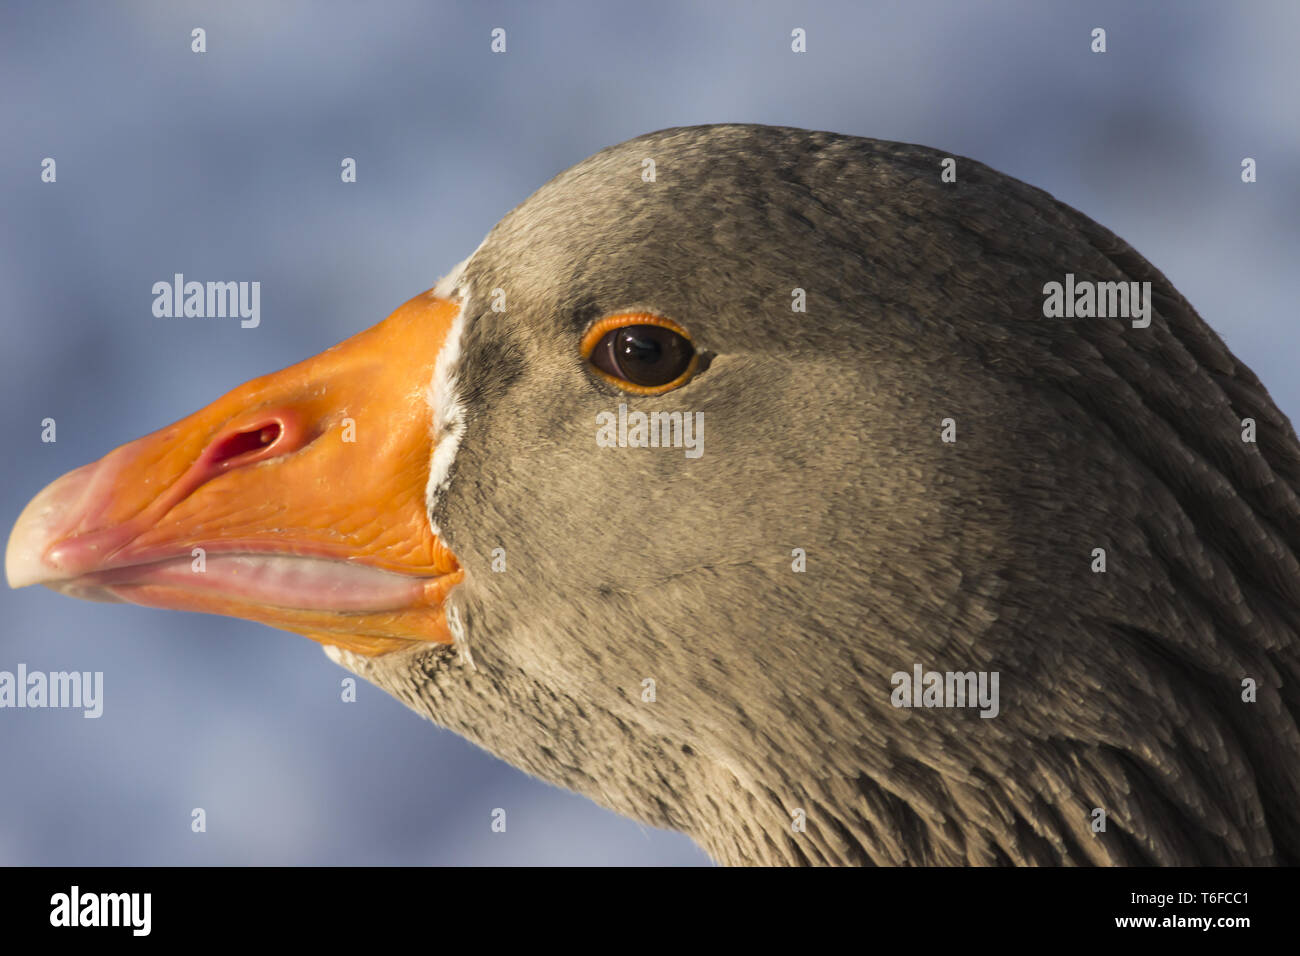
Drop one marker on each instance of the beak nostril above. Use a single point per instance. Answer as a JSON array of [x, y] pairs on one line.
[[243, 445]]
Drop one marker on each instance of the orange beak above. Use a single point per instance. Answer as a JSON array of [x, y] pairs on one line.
[[297, 500]]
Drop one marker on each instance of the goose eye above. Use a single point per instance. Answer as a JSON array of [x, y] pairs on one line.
[[642, 353]]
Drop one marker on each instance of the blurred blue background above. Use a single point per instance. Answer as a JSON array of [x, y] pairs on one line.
[[225, 166]]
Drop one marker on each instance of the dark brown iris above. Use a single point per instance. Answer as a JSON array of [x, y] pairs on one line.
[[647, 355]]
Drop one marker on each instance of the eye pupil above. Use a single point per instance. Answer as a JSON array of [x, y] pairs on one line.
[[647, 355], [634, 347]]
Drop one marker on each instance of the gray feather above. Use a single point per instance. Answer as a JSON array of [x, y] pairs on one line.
[[1120, 691]]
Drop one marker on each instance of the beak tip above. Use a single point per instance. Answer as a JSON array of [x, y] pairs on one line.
[[39, 525], [23, 564], [20, 570]]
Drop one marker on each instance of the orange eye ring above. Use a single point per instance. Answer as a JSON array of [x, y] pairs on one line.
[[602, 327]]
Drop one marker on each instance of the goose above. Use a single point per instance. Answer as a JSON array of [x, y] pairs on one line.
[[754, 483]]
